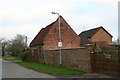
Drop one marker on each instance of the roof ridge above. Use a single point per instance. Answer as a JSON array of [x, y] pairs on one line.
[[92, 29], [43, 32]]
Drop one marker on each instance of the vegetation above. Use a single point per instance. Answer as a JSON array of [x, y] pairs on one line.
[[118, 46], [16, 47], [24, 55], [54, 70], [21, 57], [12, 58]]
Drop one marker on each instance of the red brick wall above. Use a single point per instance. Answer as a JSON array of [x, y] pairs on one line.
[[52, 57], [68, 37], [81, 58], [36, 56], [32, 57], [73, 58], [103, 64], [76, 58]]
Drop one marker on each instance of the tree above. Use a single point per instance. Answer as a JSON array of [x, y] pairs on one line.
[[16, 45], [2, 45], [117, 42]]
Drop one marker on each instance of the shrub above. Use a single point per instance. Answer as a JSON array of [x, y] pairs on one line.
[[24, 55]]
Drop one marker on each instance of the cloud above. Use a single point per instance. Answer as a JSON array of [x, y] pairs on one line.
[[19, 11], [25, 29], [29, 16]]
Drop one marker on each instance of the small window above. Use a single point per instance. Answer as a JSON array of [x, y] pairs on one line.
[[89, 39]]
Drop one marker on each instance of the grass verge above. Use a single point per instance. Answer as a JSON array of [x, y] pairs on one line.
[[54, 70], [12, 58]]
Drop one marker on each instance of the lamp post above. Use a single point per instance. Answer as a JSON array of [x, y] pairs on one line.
[[59, 43]]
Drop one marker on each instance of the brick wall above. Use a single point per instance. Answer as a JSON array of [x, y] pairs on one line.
[[36, 55], [81, 58], [103, 63], [73, 58], [69, 38], [78, 58], [101, 35], [32, 57]]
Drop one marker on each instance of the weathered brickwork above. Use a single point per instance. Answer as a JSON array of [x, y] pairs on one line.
[[76, 51], [74, 58], [106, 61], [81, 58], [49, 37], [69, 38]]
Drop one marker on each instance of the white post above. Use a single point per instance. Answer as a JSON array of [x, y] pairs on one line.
[[60, 39], [59, 27], [59, 36]]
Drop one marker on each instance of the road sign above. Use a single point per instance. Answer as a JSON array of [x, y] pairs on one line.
[[59, 44]]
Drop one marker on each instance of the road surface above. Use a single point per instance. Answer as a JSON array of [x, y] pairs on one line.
[[13, 70]]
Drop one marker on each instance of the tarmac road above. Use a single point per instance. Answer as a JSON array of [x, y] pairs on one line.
[[13, 70]]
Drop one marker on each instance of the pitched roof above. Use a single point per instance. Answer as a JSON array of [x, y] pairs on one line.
[[88, 34], [91, 32], [39, 39]]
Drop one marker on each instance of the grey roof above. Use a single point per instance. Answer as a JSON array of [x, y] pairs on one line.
[[88, 34]]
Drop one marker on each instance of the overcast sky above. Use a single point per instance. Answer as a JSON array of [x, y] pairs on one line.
[[27, 17]]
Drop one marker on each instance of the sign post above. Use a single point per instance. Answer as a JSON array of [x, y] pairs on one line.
[[59, 31], [60, 45]]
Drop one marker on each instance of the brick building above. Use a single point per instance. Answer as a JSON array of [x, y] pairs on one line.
[[97, 35], [48, 37]]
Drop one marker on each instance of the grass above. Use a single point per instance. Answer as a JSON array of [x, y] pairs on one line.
[[54, 70], [12, 58]]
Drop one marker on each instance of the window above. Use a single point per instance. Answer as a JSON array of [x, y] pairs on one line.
[[89, 39]]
